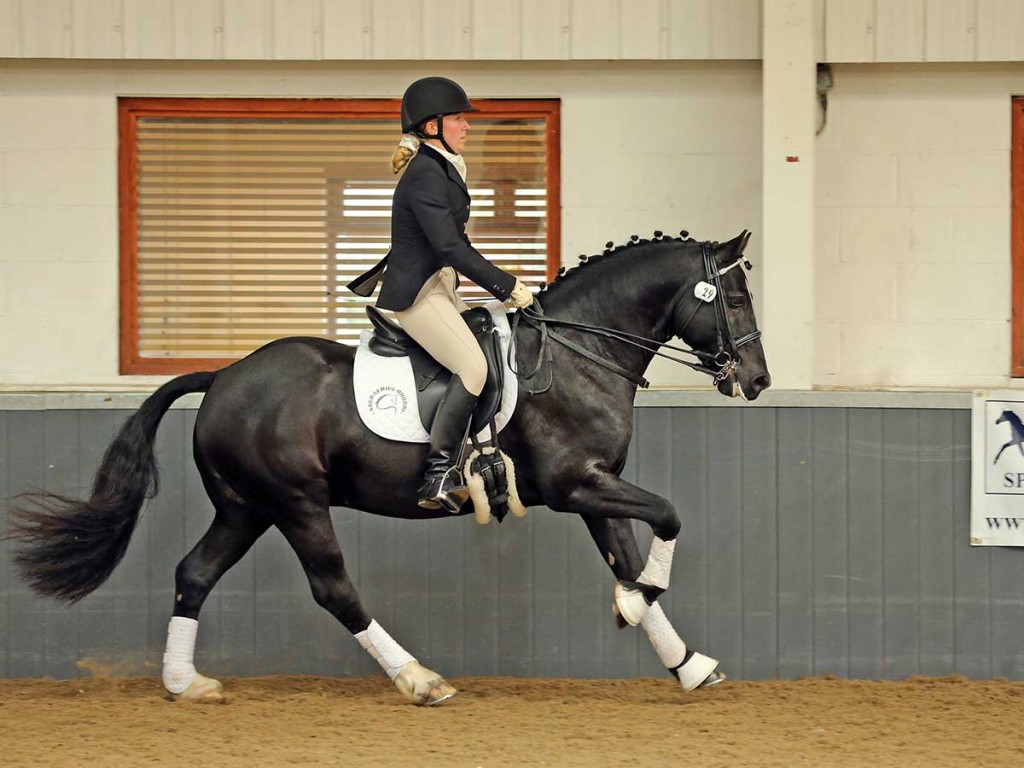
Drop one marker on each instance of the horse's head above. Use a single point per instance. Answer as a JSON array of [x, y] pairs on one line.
[[716, 318], [1004, 416]]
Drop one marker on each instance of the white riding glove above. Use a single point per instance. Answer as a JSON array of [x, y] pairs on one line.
[[521, 295]]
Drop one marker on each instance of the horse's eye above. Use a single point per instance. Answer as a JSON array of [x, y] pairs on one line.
[[737, 300]]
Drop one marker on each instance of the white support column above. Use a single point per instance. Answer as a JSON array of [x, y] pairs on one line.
[[788, 192]]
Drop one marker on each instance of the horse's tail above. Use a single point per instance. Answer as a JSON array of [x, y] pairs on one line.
[[68, 547]]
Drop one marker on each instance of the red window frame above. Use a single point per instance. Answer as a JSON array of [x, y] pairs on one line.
[[130, 110]]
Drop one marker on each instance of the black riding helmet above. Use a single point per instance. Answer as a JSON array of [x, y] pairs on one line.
[[430, 98]]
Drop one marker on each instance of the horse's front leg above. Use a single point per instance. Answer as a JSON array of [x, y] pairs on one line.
[[601, 495], [618, 546]]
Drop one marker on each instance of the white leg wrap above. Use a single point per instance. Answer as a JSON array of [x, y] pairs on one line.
[[379, 644], [672, 650], [179, 655], [658, 570], [667, 644], [629, 602]]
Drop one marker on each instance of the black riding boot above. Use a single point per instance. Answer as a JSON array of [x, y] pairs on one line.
[[443, 485]]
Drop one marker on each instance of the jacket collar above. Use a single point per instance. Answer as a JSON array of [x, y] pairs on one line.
[[449, 169]]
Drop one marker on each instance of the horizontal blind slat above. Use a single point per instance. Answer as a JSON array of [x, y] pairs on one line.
[[249, 227]]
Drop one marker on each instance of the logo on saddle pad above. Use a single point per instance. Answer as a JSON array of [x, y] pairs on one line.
[[388, 398]]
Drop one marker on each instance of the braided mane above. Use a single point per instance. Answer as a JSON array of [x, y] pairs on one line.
[[610, 249]]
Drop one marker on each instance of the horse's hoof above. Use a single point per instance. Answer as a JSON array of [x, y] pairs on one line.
[[630, 604], [699, 671], [202, 689], [714, 678], [438, 694], [422, 686]]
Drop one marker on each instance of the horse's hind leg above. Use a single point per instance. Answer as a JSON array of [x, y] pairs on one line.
[[614, 537], [234, 530], [311, 535]]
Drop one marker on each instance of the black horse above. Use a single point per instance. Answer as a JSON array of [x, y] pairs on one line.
[[277, 442]]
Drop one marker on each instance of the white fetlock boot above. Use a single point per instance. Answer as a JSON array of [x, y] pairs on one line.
[[418, 684], [698, 671], [630, 602], [180, 678], [693, 670]]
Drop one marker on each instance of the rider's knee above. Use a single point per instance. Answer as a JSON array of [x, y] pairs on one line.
[[474, 376]]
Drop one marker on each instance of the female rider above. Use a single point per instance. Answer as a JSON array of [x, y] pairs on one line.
[[429, 245]]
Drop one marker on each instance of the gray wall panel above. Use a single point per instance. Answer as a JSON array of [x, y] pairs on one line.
[[794, 543], [865, 515], [480, 568], [588, 608], [551, 598], [513, 612], [760, 568], [446, 582], [829, 526], [688, 596], [60, 457], [971, 634], [724, 541], [900, 544], [936, 512], [1007, 613], [814, 540], [6, 566], [26, 615], [274, 565]]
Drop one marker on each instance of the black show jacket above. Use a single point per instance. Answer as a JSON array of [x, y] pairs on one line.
[[428, 232]]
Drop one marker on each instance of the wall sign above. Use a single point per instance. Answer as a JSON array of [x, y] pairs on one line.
[[997, 469]]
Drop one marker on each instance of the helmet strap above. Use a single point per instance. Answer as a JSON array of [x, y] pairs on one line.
[[439, 119]]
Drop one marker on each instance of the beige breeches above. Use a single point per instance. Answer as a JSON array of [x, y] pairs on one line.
[[434, 321]]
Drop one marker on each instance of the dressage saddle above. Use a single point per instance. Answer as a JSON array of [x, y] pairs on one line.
[[390, 340]]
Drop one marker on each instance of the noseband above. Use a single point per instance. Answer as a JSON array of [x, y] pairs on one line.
[[719, 365]]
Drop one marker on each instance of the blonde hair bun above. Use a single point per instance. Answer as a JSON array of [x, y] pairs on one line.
[[404, 152]]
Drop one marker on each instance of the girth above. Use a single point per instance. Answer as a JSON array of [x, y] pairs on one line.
[[390, 340]]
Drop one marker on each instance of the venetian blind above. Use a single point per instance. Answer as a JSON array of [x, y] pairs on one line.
[[249, 228]]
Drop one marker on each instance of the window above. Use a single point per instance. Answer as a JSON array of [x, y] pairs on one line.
[[1017, 235], [243, 220]]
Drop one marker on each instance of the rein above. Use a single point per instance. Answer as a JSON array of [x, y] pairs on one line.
[[726, 359]]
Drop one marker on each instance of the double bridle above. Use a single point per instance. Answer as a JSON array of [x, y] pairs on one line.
[[719, 365]]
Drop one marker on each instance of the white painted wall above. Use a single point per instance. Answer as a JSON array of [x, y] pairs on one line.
[[923, 30], [311, 30], [645, 146], [913, 227], [315, 30]]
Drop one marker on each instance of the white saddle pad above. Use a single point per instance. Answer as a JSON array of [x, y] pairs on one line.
[[385, 388]]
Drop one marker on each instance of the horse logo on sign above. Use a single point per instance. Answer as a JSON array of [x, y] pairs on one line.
[[997, 468], [1004, 429], [1016, 430]]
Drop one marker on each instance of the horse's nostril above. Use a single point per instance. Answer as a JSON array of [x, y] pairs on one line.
[[762, 382]]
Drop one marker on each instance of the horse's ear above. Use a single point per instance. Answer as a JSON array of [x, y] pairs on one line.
[[734, 248], [744, 238]]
